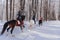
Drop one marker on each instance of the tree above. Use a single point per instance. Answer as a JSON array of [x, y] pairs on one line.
[[7, 10], [53, 13], [13, 8], [30, 9], [22, 4], [40, 8], [45, 9], [10, 9], [59, 11]]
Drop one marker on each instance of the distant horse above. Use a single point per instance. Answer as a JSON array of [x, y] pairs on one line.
[[31, 23], [12, 24]]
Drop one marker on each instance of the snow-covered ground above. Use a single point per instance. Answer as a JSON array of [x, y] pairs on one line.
[[50, 30]]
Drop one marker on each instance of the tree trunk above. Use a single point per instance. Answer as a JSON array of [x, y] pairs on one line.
[[10, 9], [7, 10], [59, 11], [13, 8], [41, 8], [22, 5], [45, 9]]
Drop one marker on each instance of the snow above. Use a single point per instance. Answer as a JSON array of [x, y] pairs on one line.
[[50, 30]]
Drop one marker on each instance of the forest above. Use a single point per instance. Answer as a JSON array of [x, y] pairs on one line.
[[48, 9]]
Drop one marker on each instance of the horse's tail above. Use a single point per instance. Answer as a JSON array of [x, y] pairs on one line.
[[4, 27]]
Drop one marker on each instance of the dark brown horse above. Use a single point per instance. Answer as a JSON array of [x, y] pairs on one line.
[[12, 24]]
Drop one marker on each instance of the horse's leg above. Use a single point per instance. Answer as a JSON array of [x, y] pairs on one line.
[[8, 29], [12, 29], [21, 28]]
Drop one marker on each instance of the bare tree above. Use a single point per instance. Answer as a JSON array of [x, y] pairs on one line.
[[45, 9], [41, 8], [10, 9], [49, 6], [22, 4], [29, 12], [13, 8], [30, 9], [33, 8], [59, 11], [37, 8], [53, 13], [7, 10]]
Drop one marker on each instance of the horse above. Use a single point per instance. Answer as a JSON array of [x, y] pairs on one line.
[[12, 23], [31, 23]]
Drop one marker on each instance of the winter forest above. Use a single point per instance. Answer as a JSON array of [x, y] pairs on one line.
[[37, 20], [48, 9]]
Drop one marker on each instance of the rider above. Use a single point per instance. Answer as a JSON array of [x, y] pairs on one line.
[[40, 20], [19, 15]]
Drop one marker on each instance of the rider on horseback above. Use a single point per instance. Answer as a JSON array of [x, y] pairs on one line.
[[20, 17], [12, 23]]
